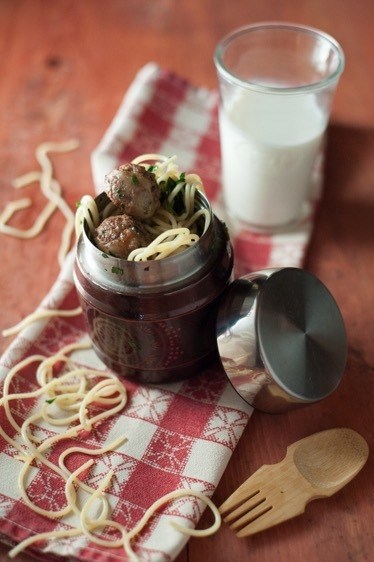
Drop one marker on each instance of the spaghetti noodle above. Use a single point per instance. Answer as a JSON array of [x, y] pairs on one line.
[[66, 400], [51, 189], [40, 315]]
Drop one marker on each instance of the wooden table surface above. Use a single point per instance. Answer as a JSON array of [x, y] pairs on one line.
[[65, 66]]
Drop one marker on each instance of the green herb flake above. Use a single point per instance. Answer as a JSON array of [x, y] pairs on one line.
[[105, 255], [177, 206], [168, 206], [117, 270], [78, 203], [51, 400], [182, 177], [134, 179]]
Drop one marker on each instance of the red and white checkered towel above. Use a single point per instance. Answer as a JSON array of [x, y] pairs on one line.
[[180, 435]]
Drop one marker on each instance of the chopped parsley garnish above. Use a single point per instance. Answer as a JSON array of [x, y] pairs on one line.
[[51, 400], [135, 179], [78, 204], [117, 270], [105, 255], [177, 205]]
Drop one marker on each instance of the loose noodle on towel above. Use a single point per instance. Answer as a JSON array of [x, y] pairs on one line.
[[64, 400]]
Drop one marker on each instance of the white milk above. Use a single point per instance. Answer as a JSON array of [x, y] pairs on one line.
[[269, 144]]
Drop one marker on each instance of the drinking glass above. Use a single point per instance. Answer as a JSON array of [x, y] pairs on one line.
[[276, 84]]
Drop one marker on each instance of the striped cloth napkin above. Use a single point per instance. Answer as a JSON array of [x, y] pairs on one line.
[[180, 435]]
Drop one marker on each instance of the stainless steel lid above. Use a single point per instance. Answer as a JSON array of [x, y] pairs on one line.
[[281, 339]]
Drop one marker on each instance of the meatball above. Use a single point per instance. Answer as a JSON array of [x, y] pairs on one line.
[[119, 235], [134, 191]]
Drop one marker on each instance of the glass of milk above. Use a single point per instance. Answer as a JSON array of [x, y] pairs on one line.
[[276, 84]]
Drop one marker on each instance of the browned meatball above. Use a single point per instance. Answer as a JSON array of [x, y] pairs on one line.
[[134, 191], [119, 235]]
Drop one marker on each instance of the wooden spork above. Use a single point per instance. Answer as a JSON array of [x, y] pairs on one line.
[[314, 467]]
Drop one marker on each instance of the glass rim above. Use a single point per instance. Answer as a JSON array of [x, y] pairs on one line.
[[282, 26]]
